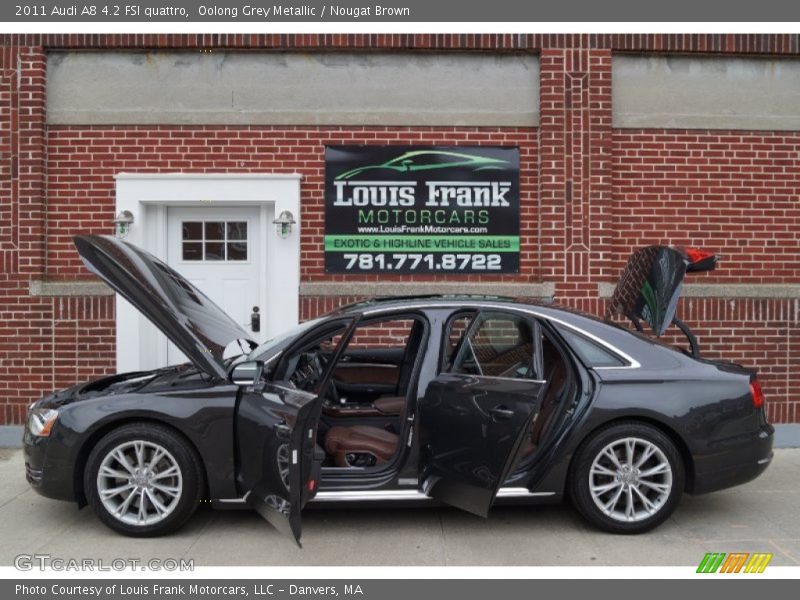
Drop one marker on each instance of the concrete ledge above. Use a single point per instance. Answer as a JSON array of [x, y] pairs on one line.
[[293, 88], [709, 92], [40, 287], [723, 290], [411, 288], [10, 436]]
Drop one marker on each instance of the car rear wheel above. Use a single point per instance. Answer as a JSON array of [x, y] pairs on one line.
[[143, 480], [627, 478]]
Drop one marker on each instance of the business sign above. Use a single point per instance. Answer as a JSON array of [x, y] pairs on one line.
[[421, 209]]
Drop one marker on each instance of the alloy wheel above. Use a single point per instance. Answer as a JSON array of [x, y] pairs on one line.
[[630, 479], [284, 464], [139, 482]]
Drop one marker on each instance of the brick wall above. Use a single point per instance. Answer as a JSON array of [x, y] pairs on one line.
[[589, 194], [82, 162], [735, 192]]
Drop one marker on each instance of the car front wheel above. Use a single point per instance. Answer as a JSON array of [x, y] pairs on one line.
[[627, 478], [143, 480]]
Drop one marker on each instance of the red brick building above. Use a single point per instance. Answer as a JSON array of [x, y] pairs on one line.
[[624, 140]]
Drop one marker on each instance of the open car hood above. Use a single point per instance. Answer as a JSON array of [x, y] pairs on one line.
[[650, 284], [196, 325]]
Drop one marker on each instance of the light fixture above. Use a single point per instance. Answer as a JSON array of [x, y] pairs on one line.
[[283, 224], [123, 223]]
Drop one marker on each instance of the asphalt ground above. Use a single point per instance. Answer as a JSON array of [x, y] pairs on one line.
[[761, 516]]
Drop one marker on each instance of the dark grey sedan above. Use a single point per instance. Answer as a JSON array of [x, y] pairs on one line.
[[460, 400]]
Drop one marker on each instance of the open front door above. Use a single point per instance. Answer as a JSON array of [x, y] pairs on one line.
[[278, 462], [474, 419], [276, 431]]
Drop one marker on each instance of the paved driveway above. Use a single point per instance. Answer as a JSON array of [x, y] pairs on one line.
[[758, 517]]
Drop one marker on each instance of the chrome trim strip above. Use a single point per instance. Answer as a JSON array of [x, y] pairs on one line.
[[503, 378], [395, 495], [352, 365], [368, 495], [632, 362], [520, 492]]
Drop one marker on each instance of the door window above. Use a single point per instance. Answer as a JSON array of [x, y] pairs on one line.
[[497, 345], [214, 241]]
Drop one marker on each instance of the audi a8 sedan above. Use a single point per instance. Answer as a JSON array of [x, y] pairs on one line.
[[457, 400]]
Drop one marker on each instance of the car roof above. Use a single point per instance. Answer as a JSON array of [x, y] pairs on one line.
[[421, 300]]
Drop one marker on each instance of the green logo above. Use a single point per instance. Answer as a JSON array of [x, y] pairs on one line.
[[428, 160]]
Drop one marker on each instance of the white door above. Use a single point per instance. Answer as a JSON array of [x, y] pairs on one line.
[[217, 250]]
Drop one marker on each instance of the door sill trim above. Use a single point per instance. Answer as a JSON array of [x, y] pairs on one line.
[[395, 495], [415, 495]]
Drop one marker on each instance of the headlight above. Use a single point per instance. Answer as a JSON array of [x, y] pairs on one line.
[[41, 421]]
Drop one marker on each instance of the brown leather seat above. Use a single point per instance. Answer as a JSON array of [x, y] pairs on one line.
[[556, 377], [360, 439], [391, 405]]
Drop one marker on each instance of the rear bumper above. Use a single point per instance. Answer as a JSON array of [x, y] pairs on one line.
[[735, 462]]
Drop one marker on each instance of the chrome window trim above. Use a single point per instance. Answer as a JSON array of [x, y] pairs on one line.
[[632, 362], [520, 379]]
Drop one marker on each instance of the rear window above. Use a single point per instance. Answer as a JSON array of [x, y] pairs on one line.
[[591, 353]]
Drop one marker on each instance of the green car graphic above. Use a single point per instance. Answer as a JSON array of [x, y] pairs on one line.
[[422, 160]]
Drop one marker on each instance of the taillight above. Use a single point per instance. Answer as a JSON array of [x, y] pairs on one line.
[[696, 255], [312, 485], [756, 393], [700, 260]]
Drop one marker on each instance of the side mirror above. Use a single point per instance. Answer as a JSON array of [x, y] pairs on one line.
[[246, 373]]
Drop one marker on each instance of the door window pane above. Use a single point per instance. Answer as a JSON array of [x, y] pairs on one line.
[[192, 250], [215, 251], [214, 241], [237, 230], [497, 345], [237, 251], [215, 230], [192, 230]]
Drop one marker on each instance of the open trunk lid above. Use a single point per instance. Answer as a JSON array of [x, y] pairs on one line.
[[650, 285]]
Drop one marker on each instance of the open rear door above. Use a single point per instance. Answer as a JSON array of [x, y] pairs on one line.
[[278, 466], [475, 419]]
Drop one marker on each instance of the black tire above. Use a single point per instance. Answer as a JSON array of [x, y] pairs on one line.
[[579, 477], [191, 472]]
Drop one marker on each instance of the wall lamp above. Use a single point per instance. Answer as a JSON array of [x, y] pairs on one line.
[[283, 224], [122, 223]]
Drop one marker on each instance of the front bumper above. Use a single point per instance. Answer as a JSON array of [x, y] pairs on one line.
[[45, 468], [735, 463]]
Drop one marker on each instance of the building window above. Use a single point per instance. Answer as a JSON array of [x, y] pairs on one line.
[[214, 241]]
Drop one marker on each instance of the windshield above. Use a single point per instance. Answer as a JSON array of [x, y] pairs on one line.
[[271, 347]]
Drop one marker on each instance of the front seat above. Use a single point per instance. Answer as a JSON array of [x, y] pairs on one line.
[[360, 445]]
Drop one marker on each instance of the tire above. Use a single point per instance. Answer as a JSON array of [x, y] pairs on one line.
[[619, 503], [169, 477]]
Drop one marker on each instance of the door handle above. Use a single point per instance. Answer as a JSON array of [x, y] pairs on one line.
[[255, 320], [283, 431], [501, 412]]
